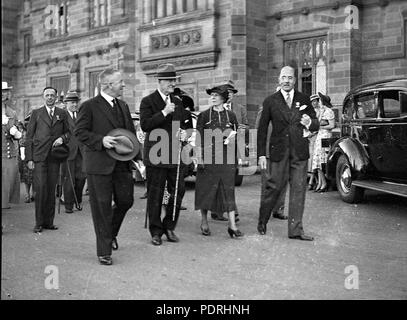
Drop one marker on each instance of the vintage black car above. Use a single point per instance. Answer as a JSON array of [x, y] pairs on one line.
[[371, 152]]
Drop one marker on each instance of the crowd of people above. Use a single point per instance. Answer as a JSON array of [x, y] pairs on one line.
[[95, 141]]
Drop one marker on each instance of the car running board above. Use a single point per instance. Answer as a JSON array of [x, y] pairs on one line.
[[383, 186]]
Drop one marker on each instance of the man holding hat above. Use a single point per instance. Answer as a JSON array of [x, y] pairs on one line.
[[107, 131], [47, 130], [162, 111], [74, 178]]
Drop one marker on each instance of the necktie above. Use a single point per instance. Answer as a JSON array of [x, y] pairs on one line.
[[167, 100], [115, 109], [288, 100], [74, 116], [51, 113]]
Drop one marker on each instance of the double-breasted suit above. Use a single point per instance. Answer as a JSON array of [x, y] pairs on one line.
[[74, 179], [288, 154], [161, 163], [107, 178], [42, 131]]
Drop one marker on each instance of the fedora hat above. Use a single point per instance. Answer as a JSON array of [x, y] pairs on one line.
[[325, 100], [166, 72], [60, 152], [4, 86], [230, 85], [126, 147], [71, 96]]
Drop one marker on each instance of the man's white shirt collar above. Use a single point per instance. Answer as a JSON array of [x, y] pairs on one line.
[[107, 97], [284, 93], [163, 96]]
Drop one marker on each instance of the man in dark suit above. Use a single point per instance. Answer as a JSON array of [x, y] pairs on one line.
[[74, 177], [162, 112], [107, 177], [290, 113], [48, 127]]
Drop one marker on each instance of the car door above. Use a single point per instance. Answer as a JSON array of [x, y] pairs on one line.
[[391, 153], [366, 129]]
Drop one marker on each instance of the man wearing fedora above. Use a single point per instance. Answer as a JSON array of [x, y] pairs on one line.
[[47, 129], [74, 177], [106, 130], [162, 111]]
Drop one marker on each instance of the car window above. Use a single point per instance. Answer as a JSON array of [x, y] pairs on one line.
[[347, 110], [403, 102], [365, 106], [391, 104]]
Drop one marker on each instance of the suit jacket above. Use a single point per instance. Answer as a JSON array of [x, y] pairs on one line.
[[287, 130], [240, 112], [74, 145], [152, 118], [42, 132], [95, 120]]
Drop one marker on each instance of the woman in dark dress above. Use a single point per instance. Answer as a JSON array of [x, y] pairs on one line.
[[215, 180]]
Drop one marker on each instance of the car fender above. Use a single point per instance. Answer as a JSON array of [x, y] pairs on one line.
[[355, 153]]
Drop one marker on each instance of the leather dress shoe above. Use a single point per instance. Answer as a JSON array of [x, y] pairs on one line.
[[156, 240], [261, 228], [115, 245], [171, 236], [68, 211], [37, 229], [53, 227], [302, 237], [105, 260], [279, 216]]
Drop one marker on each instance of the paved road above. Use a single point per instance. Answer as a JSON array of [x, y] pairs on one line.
[[370, 236]]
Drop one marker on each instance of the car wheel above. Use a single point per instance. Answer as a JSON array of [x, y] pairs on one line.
[[347, 191], [238, 180]]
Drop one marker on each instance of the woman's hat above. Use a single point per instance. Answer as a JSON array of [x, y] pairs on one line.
[[314, 97], [325, 100], [166, 72], [71, 96], [230, 85], [221, 90], [126, 147], [60, 152]]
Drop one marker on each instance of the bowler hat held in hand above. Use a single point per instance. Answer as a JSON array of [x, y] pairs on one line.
[[60, 152]]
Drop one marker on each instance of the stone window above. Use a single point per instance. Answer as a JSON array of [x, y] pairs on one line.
[[27, 46], [62, 84], [155, 9], [309, 58], [101, 13], [58, 19], [94, 87], [27, 7]]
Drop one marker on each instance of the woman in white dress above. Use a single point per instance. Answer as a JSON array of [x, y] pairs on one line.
[[326, 119]]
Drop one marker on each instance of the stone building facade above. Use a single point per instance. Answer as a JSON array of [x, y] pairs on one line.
[[334, 45]]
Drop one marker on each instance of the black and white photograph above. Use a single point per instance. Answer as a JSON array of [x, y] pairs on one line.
[[204, 155]]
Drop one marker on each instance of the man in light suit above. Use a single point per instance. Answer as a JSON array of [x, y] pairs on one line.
[[48, 127], [107, 177], [290, 112], [74, 177], [163, 112]]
